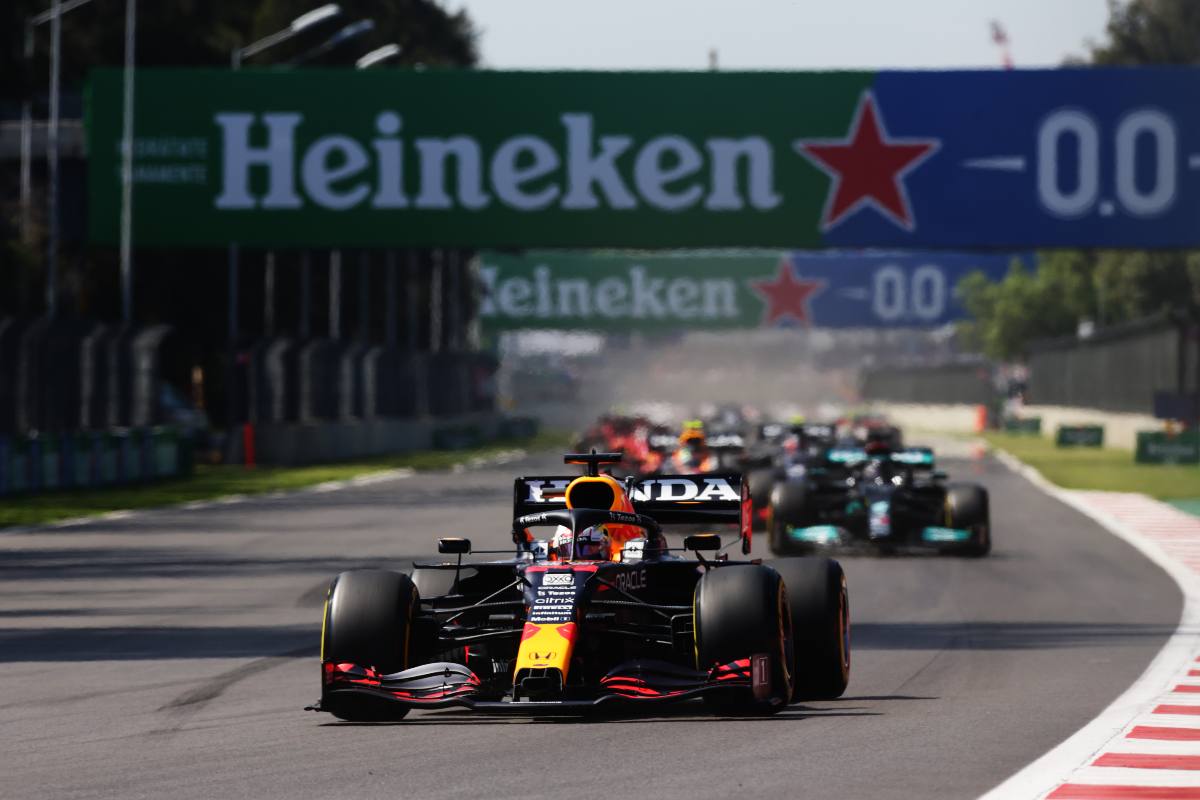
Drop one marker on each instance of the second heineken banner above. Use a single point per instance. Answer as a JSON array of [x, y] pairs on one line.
[[951, 160], [615, 292]]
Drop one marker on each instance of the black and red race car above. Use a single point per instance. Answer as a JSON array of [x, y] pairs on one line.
[[604, 612]]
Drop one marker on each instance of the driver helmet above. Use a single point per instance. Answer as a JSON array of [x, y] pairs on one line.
[[875, 471], [591, 544]]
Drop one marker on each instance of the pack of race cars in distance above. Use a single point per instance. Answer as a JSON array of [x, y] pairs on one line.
[[604, 611], [848, 484]]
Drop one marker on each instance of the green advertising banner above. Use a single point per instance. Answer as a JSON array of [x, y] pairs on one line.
[[728, 289], [396, 157], [1156, 447], [1079, 436], [964, 160], [616, 292]]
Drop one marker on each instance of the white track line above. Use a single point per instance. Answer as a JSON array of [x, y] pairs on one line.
[[1169, 668]]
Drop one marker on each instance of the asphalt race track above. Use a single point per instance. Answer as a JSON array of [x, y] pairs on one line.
[[171, 655]]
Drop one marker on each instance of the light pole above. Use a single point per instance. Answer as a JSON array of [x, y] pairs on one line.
[[377, 56], [52, 163], [127, 168], [54, 17], [351, 31], [236, 56]]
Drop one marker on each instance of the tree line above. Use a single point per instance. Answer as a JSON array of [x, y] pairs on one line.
[[1070, 288]]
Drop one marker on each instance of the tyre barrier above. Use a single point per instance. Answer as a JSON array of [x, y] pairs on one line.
[[92, 459]]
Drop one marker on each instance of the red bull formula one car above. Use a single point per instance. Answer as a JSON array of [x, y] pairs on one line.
[[603, 612]]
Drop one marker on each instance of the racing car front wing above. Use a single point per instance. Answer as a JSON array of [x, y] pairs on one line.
[[441, 685]]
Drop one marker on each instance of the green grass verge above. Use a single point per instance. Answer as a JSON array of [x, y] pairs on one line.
[[1105, 469], [210, 482]]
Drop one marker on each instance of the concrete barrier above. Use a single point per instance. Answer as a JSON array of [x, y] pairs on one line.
[[937, 418], [1120, 429]]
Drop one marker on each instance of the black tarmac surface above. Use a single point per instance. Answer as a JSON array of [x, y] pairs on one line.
[[171, 655]]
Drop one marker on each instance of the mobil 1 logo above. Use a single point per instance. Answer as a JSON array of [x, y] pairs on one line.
[[553, 597]]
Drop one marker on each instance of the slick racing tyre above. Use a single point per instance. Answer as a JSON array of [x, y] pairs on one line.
[[967, 509], [820, 607], [788, 500], [742, 611], [367, 619], [761, 481]]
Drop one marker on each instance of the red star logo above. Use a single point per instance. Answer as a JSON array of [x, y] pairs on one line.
[[787, 296], [867, 167]]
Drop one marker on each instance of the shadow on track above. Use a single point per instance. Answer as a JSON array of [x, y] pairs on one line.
[[73, 564], [684, 712], [1000, 635], [129, 644]]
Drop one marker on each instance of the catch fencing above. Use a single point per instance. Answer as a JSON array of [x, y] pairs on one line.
[[1116, 369]]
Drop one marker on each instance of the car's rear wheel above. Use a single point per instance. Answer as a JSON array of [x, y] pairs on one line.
[[367, 621], [788, 509], [967, 509], [820, 609], [742, 611]]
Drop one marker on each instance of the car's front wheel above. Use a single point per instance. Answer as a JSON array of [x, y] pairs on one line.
[[820, 609], [742, 612], [367, 621]]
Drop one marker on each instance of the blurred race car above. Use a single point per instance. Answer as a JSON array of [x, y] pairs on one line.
[[634, 436], [881, 498], [602, 612], [694, 452], [783, 450], [860, 430]]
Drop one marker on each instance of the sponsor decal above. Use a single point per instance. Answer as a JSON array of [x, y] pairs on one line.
[[633, 550], [685, 489], [760, 676], [546, 491], [880, 520], [524, 172], [554, 599], [631, 580]]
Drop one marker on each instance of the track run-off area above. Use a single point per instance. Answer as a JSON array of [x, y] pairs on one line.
[[171, 654]]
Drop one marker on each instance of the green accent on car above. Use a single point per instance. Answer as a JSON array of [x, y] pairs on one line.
[[846, 456], [816, 534], [940, 535], [913, 457]]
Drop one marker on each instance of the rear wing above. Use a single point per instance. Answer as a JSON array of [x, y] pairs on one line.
[[713, 498], [916, 457], [726, 441]]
